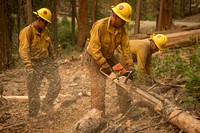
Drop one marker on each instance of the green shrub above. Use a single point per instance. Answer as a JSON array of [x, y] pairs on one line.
[[64, 33], [184, 62]]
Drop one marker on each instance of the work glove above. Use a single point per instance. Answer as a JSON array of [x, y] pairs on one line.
[[131, 68], [105, 67]]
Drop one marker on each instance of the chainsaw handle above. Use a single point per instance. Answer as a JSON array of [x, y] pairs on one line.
[[130, 73], [103, 72]]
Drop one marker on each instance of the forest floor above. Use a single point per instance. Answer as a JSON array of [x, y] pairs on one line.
[[73, 103]]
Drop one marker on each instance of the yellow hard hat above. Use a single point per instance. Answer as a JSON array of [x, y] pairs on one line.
[[160, 40], [44, 13], [123, 10]]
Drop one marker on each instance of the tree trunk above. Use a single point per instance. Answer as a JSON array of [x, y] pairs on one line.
[[171, 9], [5, 50], [117, 2], [54, 25], [94, 4], [73, 3], [82, 23], [165, 15], [137, 18], [29, 11], [160, 17]]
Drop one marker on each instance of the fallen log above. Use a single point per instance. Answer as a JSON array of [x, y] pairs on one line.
[[184, 38], [181, 118], [19, 98], [178, 39], [168, 110]]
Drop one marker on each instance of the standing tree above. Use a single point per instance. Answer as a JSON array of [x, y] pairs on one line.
[[73, 3], [94, 6], [29, 11], [117, 2], [165, 15], [82, 23], [5, 49], [54, 24], [137, 17]]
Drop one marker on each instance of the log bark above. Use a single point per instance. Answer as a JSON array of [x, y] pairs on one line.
[[92, 122], [167, 109], [184, 38], [178, 39], [181, 118]]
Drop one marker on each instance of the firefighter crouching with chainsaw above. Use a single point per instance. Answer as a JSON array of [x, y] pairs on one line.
[[37, 53], [106, 35], [142, 51]]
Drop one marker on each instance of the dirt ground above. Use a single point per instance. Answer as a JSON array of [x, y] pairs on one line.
[[71, 105]]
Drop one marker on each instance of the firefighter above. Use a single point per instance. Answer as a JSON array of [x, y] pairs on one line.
[[142, 51], [105, 36], [37, 54]]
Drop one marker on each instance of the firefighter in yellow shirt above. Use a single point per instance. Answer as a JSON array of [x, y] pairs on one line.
[[106, 35], [37, 54], [142, 51]]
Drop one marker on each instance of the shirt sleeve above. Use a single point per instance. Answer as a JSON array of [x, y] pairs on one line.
[[94, 46], [125, 48], [149, 67], [24, 47], [141, 61], [50, 48]]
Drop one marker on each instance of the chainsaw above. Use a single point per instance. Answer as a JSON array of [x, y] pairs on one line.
[[122, 78]]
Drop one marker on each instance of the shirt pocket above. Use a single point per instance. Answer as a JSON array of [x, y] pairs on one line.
[[46, 42], [118, 40], [35, 46], [106, 42]]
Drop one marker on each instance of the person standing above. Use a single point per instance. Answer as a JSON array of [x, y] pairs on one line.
[[37, 54], [105, 36]]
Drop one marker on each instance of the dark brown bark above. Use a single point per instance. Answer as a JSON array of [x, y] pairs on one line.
[[54, 25], [137, 17], [82, 23], [117, 2], [94, 5], [171, 9], [160, 17], [73, 3], [165, 15], [5, 50], [29, 11]]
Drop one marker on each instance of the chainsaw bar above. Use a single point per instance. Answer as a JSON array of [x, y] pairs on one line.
[[154, 99]]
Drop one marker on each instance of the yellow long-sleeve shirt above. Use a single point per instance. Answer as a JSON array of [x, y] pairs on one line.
[[103, 42], [141, 53], [34, 45]]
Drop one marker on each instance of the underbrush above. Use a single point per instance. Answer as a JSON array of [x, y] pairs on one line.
[[185, 63]]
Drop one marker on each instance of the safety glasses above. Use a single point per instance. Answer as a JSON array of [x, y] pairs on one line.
[[44, 21]]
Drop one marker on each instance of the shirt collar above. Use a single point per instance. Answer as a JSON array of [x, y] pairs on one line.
[[117, 30]]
